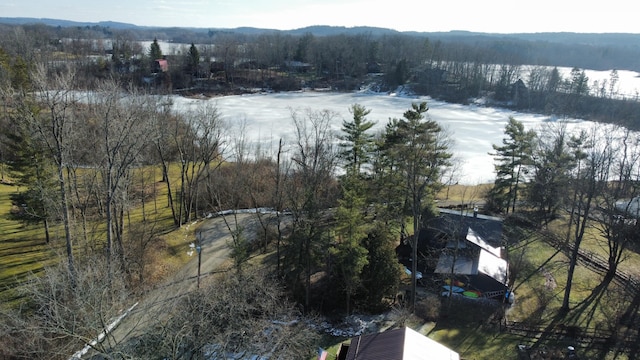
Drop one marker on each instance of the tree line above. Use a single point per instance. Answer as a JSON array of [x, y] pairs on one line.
[[453, 68], [584, 181]]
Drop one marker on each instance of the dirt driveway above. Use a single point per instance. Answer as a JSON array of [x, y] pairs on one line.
[[215, 239]]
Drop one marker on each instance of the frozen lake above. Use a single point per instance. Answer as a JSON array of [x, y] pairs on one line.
[[473, 128]]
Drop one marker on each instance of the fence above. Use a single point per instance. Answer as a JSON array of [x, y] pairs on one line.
[[593, 338]]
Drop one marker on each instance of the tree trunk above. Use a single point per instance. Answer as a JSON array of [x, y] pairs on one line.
[[572, 267], [170, 202], [417, 204], [144, 213], [109, 246], [181, 209], [307, 290], [515, 190], [278, 201], [67, 224], [47, 235], [583, 218]]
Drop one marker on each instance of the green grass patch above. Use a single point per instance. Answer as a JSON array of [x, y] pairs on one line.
[[463, 194], [24, 251]]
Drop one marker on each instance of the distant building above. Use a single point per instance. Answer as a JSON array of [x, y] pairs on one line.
[[298, 66], [160, 65], [519, 91], [629, 207], [397, 344]]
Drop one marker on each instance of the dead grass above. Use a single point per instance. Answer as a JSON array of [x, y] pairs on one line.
[[24, 251], [463, 194]]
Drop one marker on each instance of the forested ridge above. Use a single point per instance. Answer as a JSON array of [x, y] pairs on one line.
[[99, 165], [597, 51], [508, 70]]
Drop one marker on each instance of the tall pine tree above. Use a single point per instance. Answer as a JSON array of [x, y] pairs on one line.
[[420, 151], [512, 158], [349, 255]]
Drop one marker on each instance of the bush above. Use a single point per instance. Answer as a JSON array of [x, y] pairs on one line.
[[429, 308]]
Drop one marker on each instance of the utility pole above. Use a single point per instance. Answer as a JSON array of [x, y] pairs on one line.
[[199, 251]]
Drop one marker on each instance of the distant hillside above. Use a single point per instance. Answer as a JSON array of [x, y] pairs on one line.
[[64, 23], [324, 30], [583, 50], [595, 39]]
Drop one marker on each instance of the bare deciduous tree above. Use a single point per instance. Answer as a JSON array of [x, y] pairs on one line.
[[618, 210], [311, 192], [53, 124], [234, 313], [123, 134], [164, 125], [200, 149], [66, 314], [587, 184]]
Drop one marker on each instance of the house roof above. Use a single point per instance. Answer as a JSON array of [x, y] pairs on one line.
[[398, 344], [163, 64], [485, 260], [486, 263], [455, 223], [464, 265], [491, 265], [629, 207], [475, 238]]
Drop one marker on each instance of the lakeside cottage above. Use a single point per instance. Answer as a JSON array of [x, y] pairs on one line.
[[464, 249]]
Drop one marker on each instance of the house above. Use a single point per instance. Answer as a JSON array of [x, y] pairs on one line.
[[398, 344], [466, 246], [519, 91], [629, 207], [160, 65], [297, 66]]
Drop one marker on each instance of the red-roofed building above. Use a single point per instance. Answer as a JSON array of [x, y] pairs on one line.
[[160, 65]]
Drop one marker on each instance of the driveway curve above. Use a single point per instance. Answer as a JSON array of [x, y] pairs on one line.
[[215, 239]]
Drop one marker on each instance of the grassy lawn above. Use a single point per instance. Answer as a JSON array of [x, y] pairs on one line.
[[463, 194], [24, 251]]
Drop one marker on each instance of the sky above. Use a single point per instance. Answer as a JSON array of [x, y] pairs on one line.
[[491, 16]]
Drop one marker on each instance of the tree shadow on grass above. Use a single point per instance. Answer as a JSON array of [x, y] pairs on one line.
[[536, 271], [471, 326], [630, 334], [586, 309], [582, 326]]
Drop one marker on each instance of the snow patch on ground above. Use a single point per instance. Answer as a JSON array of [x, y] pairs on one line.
[[353, 325]]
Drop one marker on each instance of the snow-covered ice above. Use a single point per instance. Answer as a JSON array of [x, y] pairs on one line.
[[473, 128]]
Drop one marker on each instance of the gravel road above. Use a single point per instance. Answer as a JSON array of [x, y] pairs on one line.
[[215, 241]]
